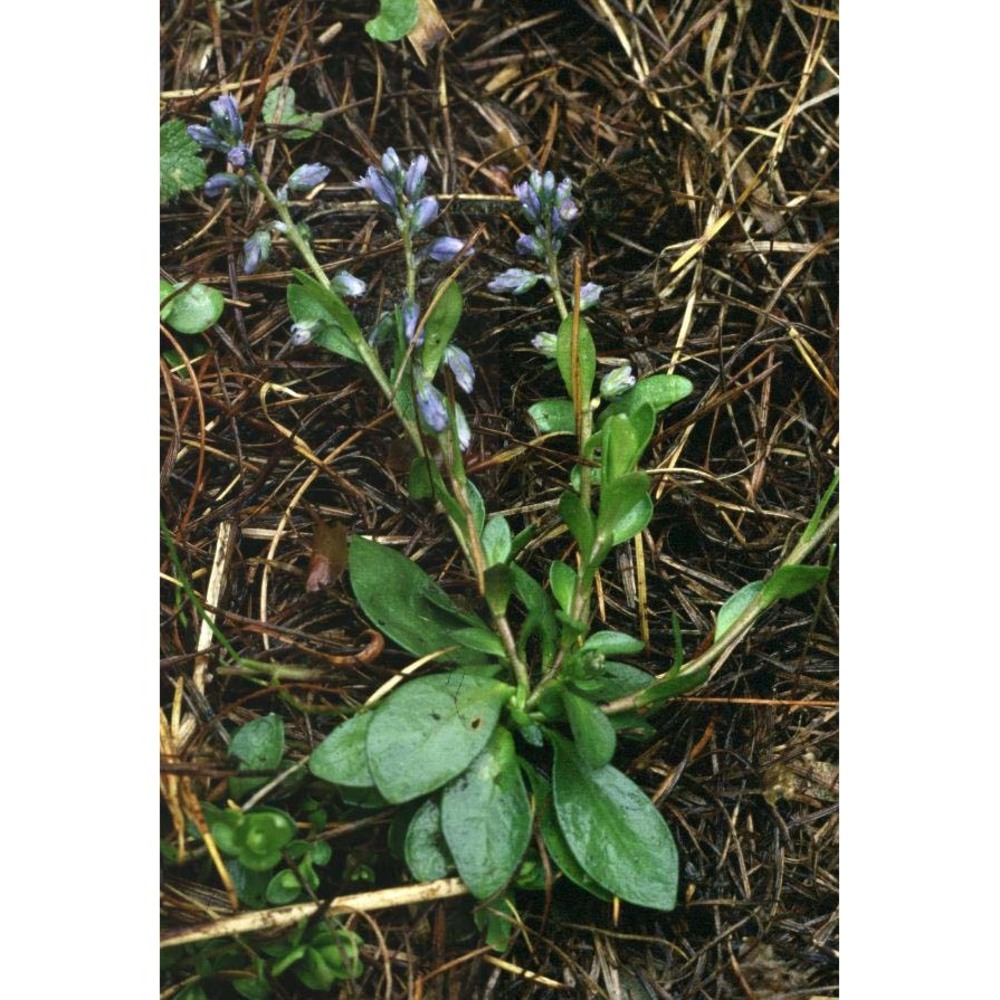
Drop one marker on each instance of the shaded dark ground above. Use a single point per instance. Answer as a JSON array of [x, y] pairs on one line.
[[668, 119]]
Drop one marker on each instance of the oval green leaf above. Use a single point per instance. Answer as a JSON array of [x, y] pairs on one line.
[[486, 817], [592, 730], [614, 644], [614, 831], [342, 758], [424, 848], [586, 359], [401, 600], [195, 309], [659, 391], [735, 606], [625, 509], [553, 416], [429, 731], [304, 308], [439, 328]]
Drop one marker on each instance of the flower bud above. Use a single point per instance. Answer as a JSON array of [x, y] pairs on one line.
[[424, 213], [378, 186], [530, 246], [432, 408], [347, 285], [206, 138], [461, 366], [240, 156], [528, 198], [462, 429], [218, 183], [414, 183], [446, 248], [515, 280], [303, 332], [256, 250], [306, 177], [589, 294], [545, 343], [391, 166], [225, 119], [617, 381], [411, 313]]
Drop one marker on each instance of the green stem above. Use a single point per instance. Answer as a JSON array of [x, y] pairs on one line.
[[648, 697]]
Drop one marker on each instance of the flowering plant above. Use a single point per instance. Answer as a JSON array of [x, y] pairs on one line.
[[521, 731]]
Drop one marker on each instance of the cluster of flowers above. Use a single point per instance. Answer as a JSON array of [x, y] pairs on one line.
[[224, 133], [551, 210], [399, 189]]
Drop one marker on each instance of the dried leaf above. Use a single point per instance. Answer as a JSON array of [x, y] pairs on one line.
[[328, 558], [429, 29]]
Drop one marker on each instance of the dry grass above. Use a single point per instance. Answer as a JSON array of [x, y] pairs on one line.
[[704, 139]]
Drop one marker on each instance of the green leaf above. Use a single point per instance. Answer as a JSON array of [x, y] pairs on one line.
[[541, 615], [181, 168], [614, 831], [195, 309], [400, 599], [672, 686], [396, 18], [619, 449], [613, 680], [614, 644], [790, 581], [562, 580], [497, 922], [429, 731], [424, 848], [579, 520], [586, 359], [342, 758], [480, 639], [258, 745], [486, 817], [624, 510], [735, 606], [476, 504], [555, 842], [308, 124], [332, 303], [813, 526], [553, 416], [304, 308], [592, 730], [659, 391], [499, 585], [496, 540], [439, 328]]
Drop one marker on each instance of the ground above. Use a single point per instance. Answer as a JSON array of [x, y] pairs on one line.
[[702, 140]]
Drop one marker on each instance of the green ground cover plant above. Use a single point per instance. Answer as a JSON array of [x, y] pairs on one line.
[[524, 703]]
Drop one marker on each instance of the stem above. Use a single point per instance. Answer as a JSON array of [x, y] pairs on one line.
[[291, 230], [647, 699]]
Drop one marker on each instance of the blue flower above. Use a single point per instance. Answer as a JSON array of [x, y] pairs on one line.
[[515, 280], [462, 427], [391, 165], [528, 198], [446, 248], [306, 177], [411, 313], [617, 381], [530, 246], [545, 343], [378, 186], [414, 183], [424, 213], [347, 285], [206, 138], [225, 119], [218, 183], [461, 366], [302, 332], [240, 156], [256, 250], [432, 407], [589, 294]]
